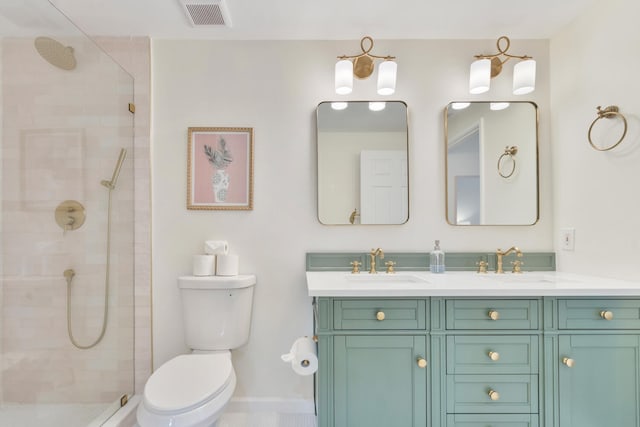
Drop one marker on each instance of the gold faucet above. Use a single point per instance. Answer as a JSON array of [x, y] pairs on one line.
[[373, 254], [500, 254]]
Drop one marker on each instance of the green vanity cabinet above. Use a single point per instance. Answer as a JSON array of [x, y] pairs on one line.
[[378, 381], [492, 362], [373, 365], [478, 362], [598, 362], [601, 386]]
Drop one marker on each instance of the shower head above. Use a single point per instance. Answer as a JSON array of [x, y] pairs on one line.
[[55, 53], [116, 172]]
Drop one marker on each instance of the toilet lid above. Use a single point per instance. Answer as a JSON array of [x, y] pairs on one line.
[[187, 381]]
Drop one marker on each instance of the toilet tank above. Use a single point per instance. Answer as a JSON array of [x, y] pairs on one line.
[[216, 310]]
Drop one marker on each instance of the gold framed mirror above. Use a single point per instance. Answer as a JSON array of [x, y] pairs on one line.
[[491, 156], [363, 165]]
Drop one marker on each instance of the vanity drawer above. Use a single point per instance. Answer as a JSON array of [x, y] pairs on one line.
[[381, 314], [492, 314], [488, 354], [492, 420], [598, 314], [472, 394]]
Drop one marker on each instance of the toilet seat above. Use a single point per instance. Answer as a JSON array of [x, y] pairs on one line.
[[187, 382]]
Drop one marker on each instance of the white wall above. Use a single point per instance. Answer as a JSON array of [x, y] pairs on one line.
[[595, 62], [274, 87]]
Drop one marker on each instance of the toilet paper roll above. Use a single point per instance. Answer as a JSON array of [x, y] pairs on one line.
[[216, 247], [302, 356], [227, 265], [204, 265]]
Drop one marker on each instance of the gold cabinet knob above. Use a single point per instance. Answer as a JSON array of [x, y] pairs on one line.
[[606, 314], [380, 315], [494, 314], [494, 395], [569, 362], [494, 355], [422, 362]]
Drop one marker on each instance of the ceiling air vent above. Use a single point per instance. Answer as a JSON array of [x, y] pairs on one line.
[[206, 12]]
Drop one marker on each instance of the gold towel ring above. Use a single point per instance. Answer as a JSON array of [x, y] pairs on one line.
[[508, 152], [609, 113]]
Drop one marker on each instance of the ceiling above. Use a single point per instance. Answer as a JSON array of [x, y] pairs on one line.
[[330, 19]]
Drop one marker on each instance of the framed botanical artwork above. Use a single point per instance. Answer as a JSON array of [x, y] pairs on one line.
[[220, 168]]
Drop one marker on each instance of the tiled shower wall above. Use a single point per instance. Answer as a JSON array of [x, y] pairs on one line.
[[61, 136]]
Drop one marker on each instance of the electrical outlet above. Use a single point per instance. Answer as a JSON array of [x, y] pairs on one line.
[[567, 239]]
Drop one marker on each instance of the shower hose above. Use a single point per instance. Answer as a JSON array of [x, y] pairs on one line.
[[69, 276]]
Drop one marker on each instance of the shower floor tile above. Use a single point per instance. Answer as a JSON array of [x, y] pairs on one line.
[[49, 415]]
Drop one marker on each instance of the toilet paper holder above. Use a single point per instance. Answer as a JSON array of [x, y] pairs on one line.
[[304, 363]]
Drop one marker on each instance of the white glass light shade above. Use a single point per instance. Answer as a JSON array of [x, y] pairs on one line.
[[480, 76], [387, 71], [339, 105], [377, 105], [497, 106], [524, 77], [344, 77], [460, 105]]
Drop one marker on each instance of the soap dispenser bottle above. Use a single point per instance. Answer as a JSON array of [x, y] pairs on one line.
[[437, 259]]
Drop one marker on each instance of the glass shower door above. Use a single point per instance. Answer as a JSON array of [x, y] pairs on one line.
[[66, 295]]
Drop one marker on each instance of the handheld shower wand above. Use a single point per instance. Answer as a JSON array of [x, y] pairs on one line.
[[69, 273], [116, 172]]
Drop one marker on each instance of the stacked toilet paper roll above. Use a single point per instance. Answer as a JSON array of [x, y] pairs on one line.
[[217, 261], [227, 265], [302, 356], [216, 247], [204, 265]]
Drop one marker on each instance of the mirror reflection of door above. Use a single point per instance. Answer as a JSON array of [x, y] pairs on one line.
[[463, 155], [383, 187]]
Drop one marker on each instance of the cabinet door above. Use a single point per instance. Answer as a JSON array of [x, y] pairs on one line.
[[601, 388], [378, 381]]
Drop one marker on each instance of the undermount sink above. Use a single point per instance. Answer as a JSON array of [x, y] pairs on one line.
[[518, 278], [385, 278]]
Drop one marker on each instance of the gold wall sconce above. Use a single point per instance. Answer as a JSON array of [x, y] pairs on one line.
[[362, 66], [485, 67]]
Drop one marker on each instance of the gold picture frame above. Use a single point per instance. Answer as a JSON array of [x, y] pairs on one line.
[[220, 168]]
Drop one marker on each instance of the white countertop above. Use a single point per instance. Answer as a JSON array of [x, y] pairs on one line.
[[464, 284]]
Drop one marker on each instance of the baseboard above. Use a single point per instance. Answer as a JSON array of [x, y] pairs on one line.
[[278, 405]]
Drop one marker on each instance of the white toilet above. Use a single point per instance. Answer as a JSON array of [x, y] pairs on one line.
[[192, 390]]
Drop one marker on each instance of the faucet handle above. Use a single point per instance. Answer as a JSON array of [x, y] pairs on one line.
[[482, 266], [390, 264], [517, 266], [355, 266]]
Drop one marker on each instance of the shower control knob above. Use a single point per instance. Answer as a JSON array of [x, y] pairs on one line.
[[70, 215]]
